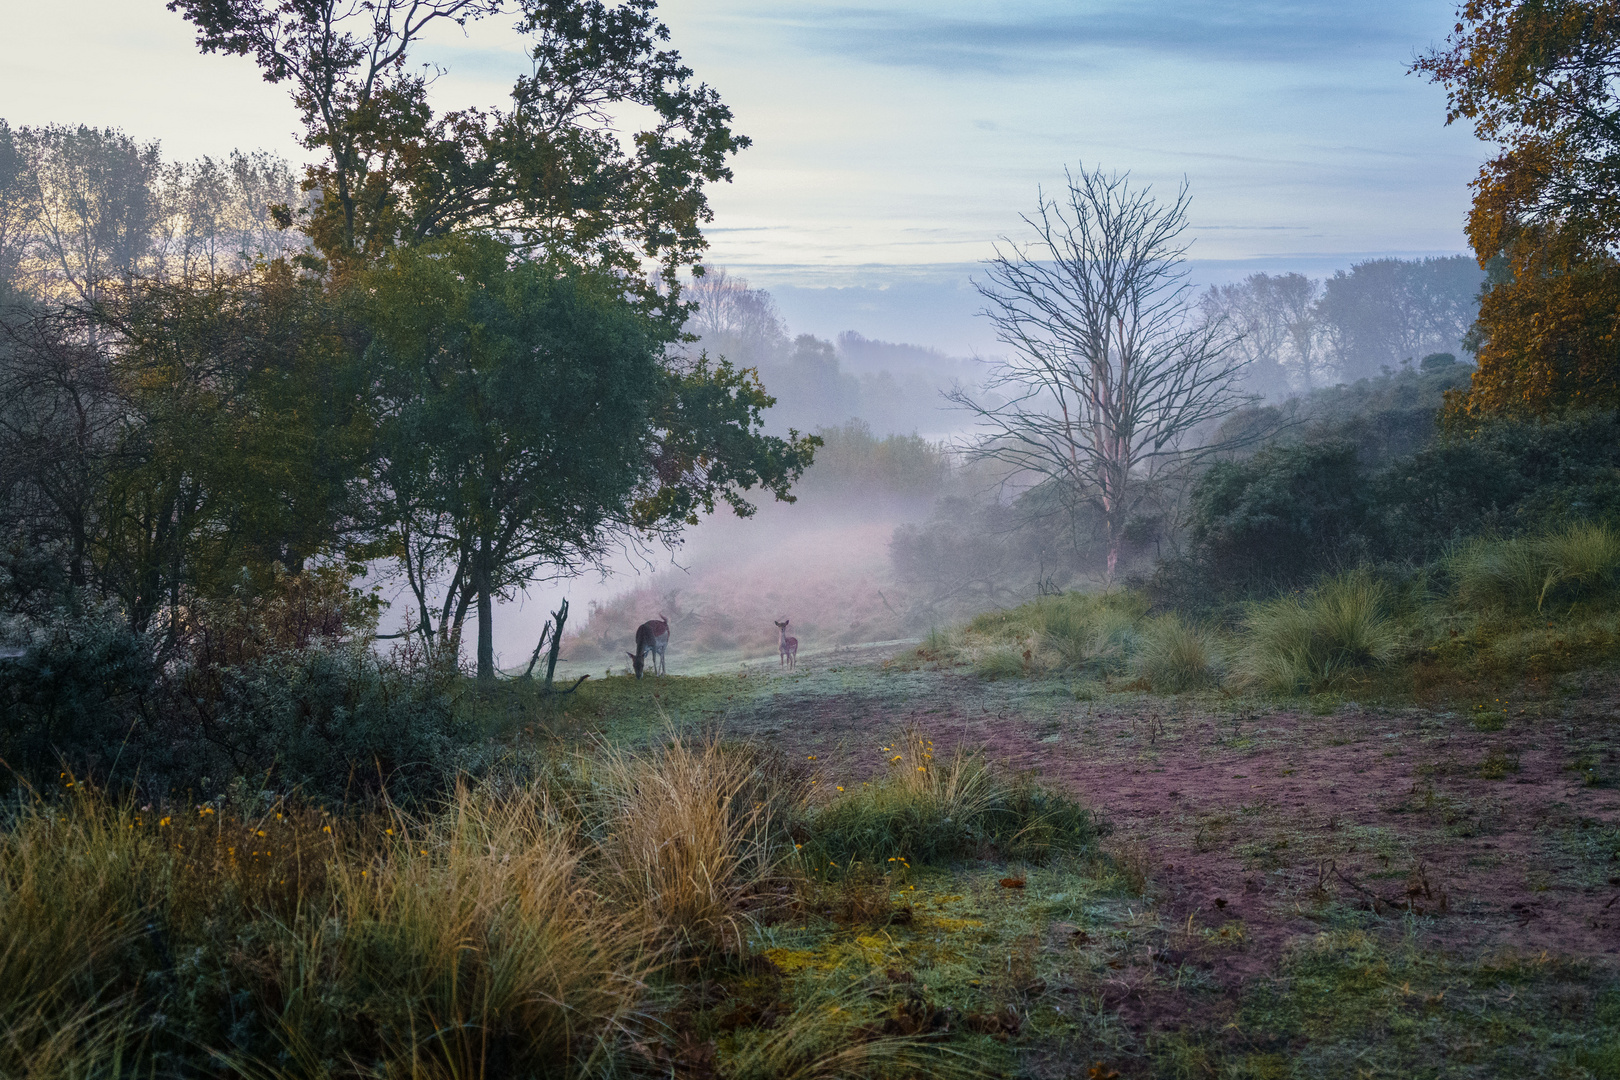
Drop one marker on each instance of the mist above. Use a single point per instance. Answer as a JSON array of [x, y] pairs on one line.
[[896, 529]]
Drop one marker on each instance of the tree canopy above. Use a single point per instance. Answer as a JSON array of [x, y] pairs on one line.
[[1536, 77]]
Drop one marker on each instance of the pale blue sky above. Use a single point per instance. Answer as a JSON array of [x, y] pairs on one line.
[[895, 140]]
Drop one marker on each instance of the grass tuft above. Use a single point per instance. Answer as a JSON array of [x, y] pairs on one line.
[[1177, 656], [1305, 642], [1525, 574], [927, 810]]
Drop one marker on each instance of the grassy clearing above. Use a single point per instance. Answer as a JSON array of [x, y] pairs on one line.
[[1495, 612], [1360, 1001], [554, 926]]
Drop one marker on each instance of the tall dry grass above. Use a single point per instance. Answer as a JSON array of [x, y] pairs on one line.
[[688, 833], [75, 884], [469, 944]]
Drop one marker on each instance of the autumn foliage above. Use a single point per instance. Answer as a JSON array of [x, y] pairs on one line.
[[1536, 78]]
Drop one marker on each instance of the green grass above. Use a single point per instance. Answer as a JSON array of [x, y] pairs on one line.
[[1529, 574], [1176, 656], [1307, 642], [1359, 1001], [929, 811]]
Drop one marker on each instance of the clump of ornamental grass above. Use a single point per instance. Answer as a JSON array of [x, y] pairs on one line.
[[1079, 636], [467, 943], [1304, 642], [1525, 574], [687, 834], [930, 810], [1176, 656]]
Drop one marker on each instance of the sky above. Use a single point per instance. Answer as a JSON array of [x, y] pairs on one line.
[[895, 141]]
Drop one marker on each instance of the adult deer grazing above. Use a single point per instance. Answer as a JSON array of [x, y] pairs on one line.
[[652, 636], [789, 646]]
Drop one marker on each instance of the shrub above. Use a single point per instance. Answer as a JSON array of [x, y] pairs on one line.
[[1300, 642], [1176, 656], [926, 810]]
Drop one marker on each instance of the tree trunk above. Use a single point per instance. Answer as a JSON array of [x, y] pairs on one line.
[[486, 629]]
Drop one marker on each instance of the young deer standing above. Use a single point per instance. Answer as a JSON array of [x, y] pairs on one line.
[[652, 636], [788, 646]]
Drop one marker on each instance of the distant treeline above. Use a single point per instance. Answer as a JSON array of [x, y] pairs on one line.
[[819, 383], [1300, 334]]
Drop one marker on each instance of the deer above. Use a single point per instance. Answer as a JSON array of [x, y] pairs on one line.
[[652, 636], [788, 646]]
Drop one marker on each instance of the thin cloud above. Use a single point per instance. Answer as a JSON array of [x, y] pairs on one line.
[[1002, 42]]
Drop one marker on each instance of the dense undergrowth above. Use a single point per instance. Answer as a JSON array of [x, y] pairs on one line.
[[553, 925], [1489, 609]]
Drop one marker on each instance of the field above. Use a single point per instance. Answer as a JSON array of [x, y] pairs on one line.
[[1317, 888], [899, 860]]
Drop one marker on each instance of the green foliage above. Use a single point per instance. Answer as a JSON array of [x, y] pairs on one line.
[[1278, 518], [1176, 656], [1307, 641], [514, 405], [278, 688], [553, 172], [854, 461], [927, 810]]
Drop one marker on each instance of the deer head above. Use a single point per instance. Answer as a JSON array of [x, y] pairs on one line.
[[637, 660]]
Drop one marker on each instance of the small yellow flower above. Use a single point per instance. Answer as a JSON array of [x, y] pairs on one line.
[[162, 823], [390, 832], [326, 828], [260, 832], [840, 787], [424, 851]]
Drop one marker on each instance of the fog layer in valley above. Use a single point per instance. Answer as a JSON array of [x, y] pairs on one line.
[[898, 529]]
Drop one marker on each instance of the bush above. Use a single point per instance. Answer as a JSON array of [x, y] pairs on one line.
[[1277, 519], [77, 696], [1176, 656], [274, 688], [1296, 642], [925, 810]]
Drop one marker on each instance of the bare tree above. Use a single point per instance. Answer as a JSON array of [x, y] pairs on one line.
[[1111, 378], [1281, 328]]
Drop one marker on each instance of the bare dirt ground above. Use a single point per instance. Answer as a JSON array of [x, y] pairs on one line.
[[1496, 822]]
